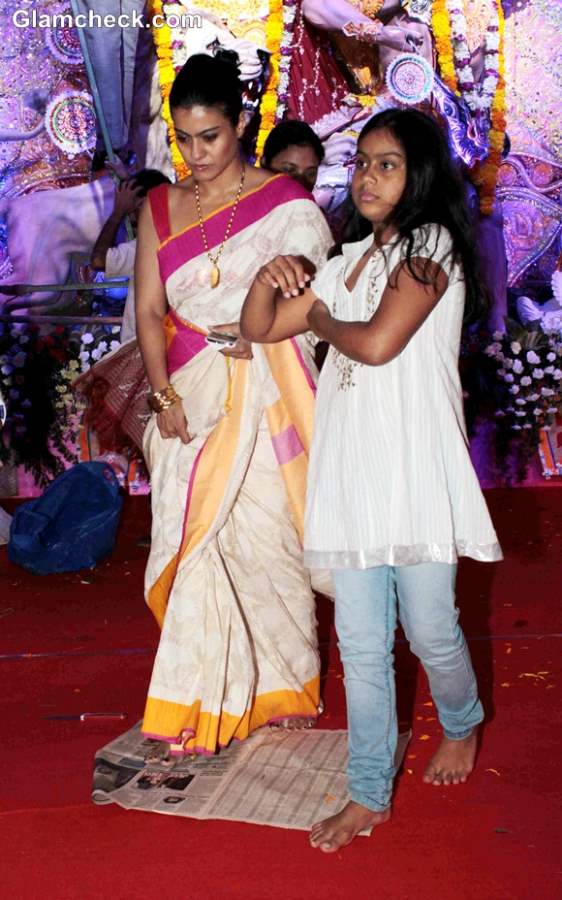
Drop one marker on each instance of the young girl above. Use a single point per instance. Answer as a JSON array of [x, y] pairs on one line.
[[392, 497]]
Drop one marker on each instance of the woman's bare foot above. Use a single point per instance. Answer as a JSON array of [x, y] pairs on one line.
[[453, 762], [297, 723], [339, 830], [159, 754]]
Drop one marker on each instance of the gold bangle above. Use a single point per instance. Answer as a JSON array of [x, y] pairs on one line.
[[161, 400]]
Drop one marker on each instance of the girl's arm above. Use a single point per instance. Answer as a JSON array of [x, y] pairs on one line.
[[127, 199], [150, 309], [278, 302], [404, 307]]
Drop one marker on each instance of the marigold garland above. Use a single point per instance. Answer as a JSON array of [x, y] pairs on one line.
[[441, 28], [163, 43], [268, 105], [485, 175]]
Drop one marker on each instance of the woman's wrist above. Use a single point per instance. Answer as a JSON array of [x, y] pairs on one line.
[[163, 399]]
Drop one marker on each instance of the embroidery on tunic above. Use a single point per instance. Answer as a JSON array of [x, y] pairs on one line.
[[345, 366]]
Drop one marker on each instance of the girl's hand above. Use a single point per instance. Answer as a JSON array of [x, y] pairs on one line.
[[290, 274], [242, 349], [318, 316], [172, 423]]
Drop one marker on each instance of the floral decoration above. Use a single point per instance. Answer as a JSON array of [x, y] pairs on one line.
[[286, 55], [485, 174], [529, 368], [486, 99], [441, 29], [36, 372], [268, 105], [164, 51], [478, 96], [38, 367]]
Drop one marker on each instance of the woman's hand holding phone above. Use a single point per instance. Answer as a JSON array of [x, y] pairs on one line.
[[241, 349]]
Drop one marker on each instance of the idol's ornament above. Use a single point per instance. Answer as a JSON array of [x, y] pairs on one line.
[[409, 78]]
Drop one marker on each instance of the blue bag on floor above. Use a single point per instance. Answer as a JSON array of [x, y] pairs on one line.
[[72, 525]]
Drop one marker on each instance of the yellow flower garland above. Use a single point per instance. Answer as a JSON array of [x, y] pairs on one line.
[[268, 105], [441, 28], [163, 43], [485, 174]]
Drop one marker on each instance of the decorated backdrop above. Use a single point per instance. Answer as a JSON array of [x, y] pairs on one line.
[[489, 69]]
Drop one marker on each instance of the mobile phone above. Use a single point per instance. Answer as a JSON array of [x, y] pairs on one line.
[[221, 340]]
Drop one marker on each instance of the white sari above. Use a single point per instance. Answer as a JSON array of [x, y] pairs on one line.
[[225, 577]]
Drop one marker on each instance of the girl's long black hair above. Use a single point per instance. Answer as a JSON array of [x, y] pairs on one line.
[[434, 192]]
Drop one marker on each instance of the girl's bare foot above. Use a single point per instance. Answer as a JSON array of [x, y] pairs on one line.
[[339, 830], [453, 762]]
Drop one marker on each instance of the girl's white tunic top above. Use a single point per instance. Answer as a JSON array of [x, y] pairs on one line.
[[390, 479]]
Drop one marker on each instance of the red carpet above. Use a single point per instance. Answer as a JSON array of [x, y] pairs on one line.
[[84, 643]]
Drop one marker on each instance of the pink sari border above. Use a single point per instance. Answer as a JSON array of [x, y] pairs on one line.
[[185, 344], [287, 445], [180, 248]]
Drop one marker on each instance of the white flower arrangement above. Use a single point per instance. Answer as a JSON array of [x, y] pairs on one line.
[[530, 366], [95, 344]]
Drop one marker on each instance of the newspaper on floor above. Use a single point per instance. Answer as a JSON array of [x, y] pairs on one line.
[[287, 779]]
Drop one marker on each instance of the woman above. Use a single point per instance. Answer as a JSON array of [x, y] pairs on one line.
[[228, 446], [294, 148]]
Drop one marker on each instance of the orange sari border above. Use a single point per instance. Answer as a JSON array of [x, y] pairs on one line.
[[203, 732]]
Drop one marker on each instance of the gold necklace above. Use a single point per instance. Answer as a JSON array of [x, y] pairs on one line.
[[215, 272]]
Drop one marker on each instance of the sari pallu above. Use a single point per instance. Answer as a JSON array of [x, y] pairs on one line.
[[225, 578]]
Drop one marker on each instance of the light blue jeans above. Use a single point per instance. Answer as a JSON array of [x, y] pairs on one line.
[[366, 613]]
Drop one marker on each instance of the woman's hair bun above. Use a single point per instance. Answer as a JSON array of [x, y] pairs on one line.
[[210, 81], [222, 64], [230, 57]]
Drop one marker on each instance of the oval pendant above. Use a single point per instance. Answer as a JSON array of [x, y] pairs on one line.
[[215, 276]]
